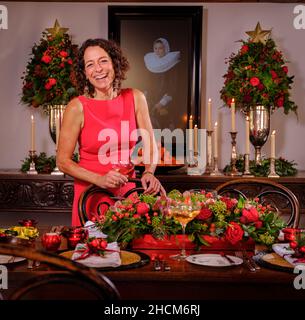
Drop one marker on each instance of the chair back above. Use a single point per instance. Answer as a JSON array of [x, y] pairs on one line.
[[103, 200], [61, 278], [278, 196]]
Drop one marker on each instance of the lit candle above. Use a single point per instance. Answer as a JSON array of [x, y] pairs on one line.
[[57, 126], [210, 115], [247, 136], [273, 144], [233, 115], [32, 133], [191, 133], [195, 139], [215, 140]]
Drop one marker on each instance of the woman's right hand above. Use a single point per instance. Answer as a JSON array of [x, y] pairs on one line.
[[112, 179]]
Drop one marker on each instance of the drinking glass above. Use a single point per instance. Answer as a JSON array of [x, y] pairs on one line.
[[125, 168], [183, 213]]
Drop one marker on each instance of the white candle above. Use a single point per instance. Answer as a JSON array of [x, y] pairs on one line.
[[233, 115], [215, 140], [210, 115], [191, 133], [32, 133], [247, 136], [273, 144], [195, 139], [57, 126]]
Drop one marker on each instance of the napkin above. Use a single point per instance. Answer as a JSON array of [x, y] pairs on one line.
[[93, 231], [283, 250], [109, 259]]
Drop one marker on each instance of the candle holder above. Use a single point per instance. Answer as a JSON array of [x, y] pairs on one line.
[[215, 171], [56, 171], [209, 166], [233, 170], [272, 173], [32, 155], [247, 172], [193, 165]]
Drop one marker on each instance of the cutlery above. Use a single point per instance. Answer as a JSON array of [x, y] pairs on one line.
[[246, 260], [166, 266], [157, 265], [251, 260], [230, 260]]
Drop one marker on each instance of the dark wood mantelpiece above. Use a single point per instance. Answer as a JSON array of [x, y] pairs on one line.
[[40, 193]]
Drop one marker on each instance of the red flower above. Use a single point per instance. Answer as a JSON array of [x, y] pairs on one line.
[[142, 208], [244, 49], [258, 224], [230, 202], [273, 74], [63, 54], [46, 59], [280, 101], [70, 61], [254, 81], [285, 69], [48, 86], [62, 65], [260, 87], [204, 214], [249, 216], [234, 233], [52, 81]]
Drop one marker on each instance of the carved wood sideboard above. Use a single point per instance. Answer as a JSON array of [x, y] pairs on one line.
[[40, 193]]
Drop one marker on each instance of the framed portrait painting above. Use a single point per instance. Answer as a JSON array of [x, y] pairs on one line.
[[163, 47]]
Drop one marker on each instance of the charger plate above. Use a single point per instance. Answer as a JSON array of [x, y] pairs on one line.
[[129, 259], [273, 261]]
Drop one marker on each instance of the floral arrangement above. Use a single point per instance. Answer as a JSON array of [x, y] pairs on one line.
[[257, 74], [219, 218], [49, 78], [21, 232]]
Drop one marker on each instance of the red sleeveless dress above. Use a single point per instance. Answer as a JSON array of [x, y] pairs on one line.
[[102, 117]]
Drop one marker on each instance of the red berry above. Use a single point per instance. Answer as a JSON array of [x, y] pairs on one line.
[[293, 244], [302, 249]]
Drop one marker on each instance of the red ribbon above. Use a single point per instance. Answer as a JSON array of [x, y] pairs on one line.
[[86, 252]]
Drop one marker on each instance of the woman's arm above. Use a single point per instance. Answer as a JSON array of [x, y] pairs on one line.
[[150, 150], [70, 129]]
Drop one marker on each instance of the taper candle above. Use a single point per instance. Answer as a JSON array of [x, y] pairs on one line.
[[273, 144], [215, 140], [247, 136], [32, 133], [191, 133], [210, 115], [195, 139], [233, 115]]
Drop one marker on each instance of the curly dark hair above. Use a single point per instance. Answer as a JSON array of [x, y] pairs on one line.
[[119, 61]]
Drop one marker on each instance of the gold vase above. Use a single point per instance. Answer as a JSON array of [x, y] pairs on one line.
[[259, 120], [54, 111]]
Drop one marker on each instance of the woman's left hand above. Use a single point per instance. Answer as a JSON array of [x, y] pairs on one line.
[[152, 185]]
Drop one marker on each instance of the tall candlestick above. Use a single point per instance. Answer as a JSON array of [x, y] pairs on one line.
[[210, 114], [247, 136], [215, 140], [57, 126], [273, 144], [195, 139], [32, 133], [233, 115], [191, 133]]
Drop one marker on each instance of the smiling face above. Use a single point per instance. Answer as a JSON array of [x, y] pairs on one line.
[[98, 68], [159, 49]]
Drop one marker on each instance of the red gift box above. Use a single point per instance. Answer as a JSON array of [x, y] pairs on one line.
[[175, 243]]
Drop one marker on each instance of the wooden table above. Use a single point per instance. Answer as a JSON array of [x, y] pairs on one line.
[[186, 281]]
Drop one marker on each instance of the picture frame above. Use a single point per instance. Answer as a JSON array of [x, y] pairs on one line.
[[173, 87]]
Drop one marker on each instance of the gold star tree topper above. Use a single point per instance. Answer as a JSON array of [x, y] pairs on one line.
[[259, 35], [57, 29]]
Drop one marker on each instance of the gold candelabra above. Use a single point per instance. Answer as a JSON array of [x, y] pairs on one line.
[[32, 170], [247, 172], [272, 173], [233, 170]]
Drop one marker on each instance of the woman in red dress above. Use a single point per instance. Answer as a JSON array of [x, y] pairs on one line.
[[103, 121]]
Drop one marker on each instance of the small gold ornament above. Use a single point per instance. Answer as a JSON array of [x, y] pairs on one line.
[[259, 35], [57, 30]]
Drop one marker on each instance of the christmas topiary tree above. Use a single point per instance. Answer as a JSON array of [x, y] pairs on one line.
[[257, 74], [49, 78]]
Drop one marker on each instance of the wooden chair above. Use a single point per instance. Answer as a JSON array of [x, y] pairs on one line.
[[106, 199], [65, 280], [278, 196]]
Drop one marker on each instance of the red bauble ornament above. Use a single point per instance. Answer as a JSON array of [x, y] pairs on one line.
[[51, 241]]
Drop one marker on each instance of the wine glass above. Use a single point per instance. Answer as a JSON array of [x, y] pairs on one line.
[[183, 213], [125, 168]]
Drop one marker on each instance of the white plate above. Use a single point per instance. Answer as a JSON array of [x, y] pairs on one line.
[[213, 260], [4, 259]]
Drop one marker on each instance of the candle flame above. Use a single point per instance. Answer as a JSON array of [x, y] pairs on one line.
[[273, 132], [215, 124], [191, 117], [210, 100], [233, 100], [247, 118], [195, 126], [32, 117]]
